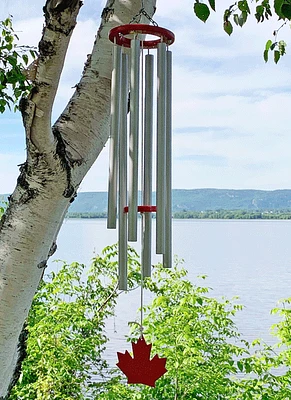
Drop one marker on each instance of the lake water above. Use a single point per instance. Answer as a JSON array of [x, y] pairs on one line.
[[246, 258]]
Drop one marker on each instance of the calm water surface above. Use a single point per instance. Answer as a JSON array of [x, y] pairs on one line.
[[246, 258]]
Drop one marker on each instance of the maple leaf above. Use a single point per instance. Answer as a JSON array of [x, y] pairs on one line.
[[140, 368]]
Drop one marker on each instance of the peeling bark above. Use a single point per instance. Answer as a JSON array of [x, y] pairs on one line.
[[58, 158]]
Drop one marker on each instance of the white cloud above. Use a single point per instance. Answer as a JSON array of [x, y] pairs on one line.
[[219, 82], [20, 9], [29, 30]]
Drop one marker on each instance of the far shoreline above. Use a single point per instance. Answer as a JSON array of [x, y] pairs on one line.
[[209, 214]]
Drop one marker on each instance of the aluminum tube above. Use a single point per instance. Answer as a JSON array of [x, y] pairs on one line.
[[114, 127], [148, 164], [167, 258], [161, 141], [122, 199], [133, 140]]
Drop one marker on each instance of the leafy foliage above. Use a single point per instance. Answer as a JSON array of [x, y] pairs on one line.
[[201, 10], [3, 205], [13, 59], [206, 356], [66, 329], [239, 12], [196, 334], [1, 211]]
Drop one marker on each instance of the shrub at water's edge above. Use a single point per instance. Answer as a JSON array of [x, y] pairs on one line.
[[206, 356], [65, 327]]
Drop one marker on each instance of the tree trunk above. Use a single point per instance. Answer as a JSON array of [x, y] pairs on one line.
[[58, 158]]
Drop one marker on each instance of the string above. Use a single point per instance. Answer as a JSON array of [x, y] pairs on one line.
[[141, 302]]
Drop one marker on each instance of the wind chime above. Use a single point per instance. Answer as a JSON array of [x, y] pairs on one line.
[[132, 92]]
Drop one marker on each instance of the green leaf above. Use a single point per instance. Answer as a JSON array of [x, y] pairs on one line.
[[242, 18], [212, 4], [260, 9], [266, 55], [259, 13], [227, 26], [268, 44], [199, 301], [240, 366], [248, 368], [243, 6], [236, 19], [25, 59], [268, 11], [276, 56], [286, 10], [278, 6], [227, 14], [201, 11]]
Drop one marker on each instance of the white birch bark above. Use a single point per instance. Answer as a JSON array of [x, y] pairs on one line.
[[58, 158]]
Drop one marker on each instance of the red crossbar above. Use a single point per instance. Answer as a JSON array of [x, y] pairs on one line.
[[143, 209]]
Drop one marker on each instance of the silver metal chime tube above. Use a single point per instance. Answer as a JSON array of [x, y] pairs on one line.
[[148, 164], [161, 147], [133, 140], [114, 136], [125, 163], [122, 216], [167, 257]]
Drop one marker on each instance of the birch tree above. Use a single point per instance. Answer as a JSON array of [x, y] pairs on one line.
[[58, 158]]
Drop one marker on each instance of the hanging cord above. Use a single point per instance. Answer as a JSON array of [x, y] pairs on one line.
[[141, 301]]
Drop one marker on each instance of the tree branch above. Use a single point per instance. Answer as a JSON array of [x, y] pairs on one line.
[[57, 161], [60, 20], [84, 124]]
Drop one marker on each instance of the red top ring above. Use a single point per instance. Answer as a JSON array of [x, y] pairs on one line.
[[117, 35]]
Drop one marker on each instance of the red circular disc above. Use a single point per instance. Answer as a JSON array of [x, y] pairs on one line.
[[143, 209], [117, 35]]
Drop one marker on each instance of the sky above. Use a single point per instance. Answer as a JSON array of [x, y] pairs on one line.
[[231, 124]]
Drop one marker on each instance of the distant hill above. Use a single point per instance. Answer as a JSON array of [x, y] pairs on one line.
[[197, 200], [91, 202], [215, 199]]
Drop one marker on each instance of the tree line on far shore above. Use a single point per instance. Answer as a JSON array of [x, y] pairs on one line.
[[211, 214]]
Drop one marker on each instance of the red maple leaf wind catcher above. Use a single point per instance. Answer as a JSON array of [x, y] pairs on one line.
[[140, 368]]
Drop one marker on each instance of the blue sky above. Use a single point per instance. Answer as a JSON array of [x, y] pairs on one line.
[[231, 124]]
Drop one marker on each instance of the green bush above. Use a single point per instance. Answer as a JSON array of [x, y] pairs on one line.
[[195, 333], [66, 338], [206, 356]]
